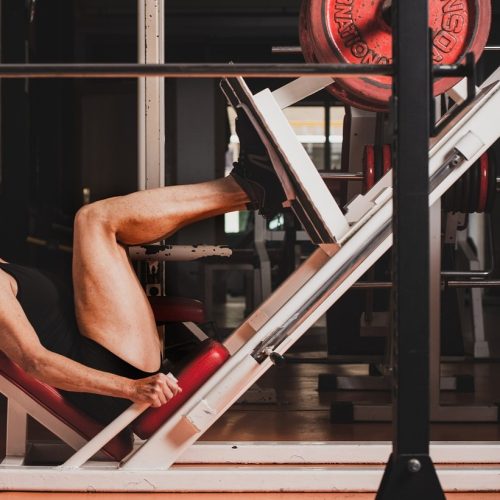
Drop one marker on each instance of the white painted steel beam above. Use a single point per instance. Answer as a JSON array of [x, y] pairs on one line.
[[329, 452], [363, 478], [41, 414], [151, 95], [298, 453], [17, 420], [151, 108]]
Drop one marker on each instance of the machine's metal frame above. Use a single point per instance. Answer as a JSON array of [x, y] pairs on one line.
[[288, 313], [151, 95], [151, 121]]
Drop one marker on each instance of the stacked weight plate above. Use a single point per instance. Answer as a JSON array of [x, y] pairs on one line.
[[475, 191]]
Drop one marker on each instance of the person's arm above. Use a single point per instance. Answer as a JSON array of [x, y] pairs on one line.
[[20, 343]]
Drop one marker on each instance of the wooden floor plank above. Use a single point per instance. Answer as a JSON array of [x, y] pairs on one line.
[[222, 496]]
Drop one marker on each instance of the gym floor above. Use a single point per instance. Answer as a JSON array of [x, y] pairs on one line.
[[225, 496], [302, 413]]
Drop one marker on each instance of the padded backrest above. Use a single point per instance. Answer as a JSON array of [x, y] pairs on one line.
[[53, 401], [203, 363]]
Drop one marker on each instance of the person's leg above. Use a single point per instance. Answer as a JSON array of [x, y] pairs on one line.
[[111, 306]]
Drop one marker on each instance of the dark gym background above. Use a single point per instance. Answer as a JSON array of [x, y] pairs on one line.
[[61, 136]]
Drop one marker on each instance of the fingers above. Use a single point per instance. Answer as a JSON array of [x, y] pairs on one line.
[[160, 395], [172, 383], [157, 389], [169, 385], [163, 389]]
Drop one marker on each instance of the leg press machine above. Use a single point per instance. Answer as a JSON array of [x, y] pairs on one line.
[[165, 455]]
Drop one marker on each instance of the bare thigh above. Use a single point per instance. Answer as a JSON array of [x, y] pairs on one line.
[[111, 306]]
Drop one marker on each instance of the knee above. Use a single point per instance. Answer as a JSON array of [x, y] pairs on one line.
[[92, 216]]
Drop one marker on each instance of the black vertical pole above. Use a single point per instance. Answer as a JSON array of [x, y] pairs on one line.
[[410, 473]]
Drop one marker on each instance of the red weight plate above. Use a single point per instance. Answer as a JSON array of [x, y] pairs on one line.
[[307, 46], [483, 183], [355, 100], [458, 27], [368, 168], [357, 32], [386, 158], [306, 43]]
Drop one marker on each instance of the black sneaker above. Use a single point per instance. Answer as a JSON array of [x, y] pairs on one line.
[[254, 171]]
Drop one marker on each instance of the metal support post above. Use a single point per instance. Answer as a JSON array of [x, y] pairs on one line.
[[151, 116], [15, 446], [410, 473], [151, 95], [474, 255], [439, 412]]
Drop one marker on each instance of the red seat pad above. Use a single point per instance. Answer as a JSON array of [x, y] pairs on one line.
[[177, 309], [204, 364], [53, 401]]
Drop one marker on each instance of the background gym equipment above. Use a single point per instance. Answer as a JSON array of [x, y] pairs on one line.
[[475, 192]]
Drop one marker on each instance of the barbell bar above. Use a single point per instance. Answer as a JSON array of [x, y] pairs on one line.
[[209, 70]]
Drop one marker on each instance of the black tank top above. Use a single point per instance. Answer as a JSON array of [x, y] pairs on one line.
[[48, 305]]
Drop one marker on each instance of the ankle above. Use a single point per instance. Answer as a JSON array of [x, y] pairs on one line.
[[234, 188]]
